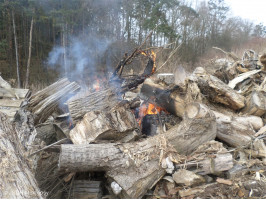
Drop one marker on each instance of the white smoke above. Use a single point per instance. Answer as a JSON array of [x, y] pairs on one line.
[[82, 56]]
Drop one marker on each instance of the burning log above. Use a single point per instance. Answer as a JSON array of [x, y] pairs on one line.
[[17, 180], [217, 91], [136, 167], [43, 103], [173, 102], [256, 104], [101, 125]]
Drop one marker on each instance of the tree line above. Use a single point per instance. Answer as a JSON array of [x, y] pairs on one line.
[[30, 29]]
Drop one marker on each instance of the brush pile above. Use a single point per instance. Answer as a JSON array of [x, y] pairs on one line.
[[142, 136]]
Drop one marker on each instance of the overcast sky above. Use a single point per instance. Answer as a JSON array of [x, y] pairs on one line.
[[254, 10]]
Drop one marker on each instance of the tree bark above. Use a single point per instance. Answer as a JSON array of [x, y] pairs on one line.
[[17, 180], [29, 58], [136, 167], [16, 48], [217, 91]]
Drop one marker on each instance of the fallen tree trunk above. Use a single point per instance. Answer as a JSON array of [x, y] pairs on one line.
[[43, 103], [136, 167], [217, 91], [17, 180]]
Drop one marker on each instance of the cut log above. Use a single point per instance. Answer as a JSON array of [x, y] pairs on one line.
[[254, 121], [17, 180], [209, 158], [136, 167], [97, 101], [43, 103], [233, 132], [256, 104], [173, 102], [100, 125], [258, 150], [217, 91]]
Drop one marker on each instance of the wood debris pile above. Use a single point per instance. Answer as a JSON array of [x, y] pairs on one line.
[[143, 136]]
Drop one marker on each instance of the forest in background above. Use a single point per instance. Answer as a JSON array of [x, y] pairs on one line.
[[41, 40]]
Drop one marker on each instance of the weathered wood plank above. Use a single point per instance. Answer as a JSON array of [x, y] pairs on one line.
[[43, 103], [9, 111], [21, 93], [11, 102]]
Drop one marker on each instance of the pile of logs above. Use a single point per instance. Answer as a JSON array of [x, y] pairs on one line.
[[205, 135]]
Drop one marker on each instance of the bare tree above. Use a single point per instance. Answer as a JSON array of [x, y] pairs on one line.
[[16, 48], [29, 58]]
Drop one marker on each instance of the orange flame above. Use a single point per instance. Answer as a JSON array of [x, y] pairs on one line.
[[96, 85], [143, 53], [148, 109], [153, 56]]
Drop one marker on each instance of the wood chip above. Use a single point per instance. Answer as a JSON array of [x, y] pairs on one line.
[[223, 181]]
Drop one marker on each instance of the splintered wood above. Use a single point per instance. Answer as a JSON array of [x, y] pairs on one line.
[[43, 103], [97, 101], [101, 125]]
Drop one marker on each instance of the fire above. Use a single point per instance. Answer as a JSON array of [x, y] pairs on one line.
[[148, 109], [153, 56], [96, 85], [143, 53]]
